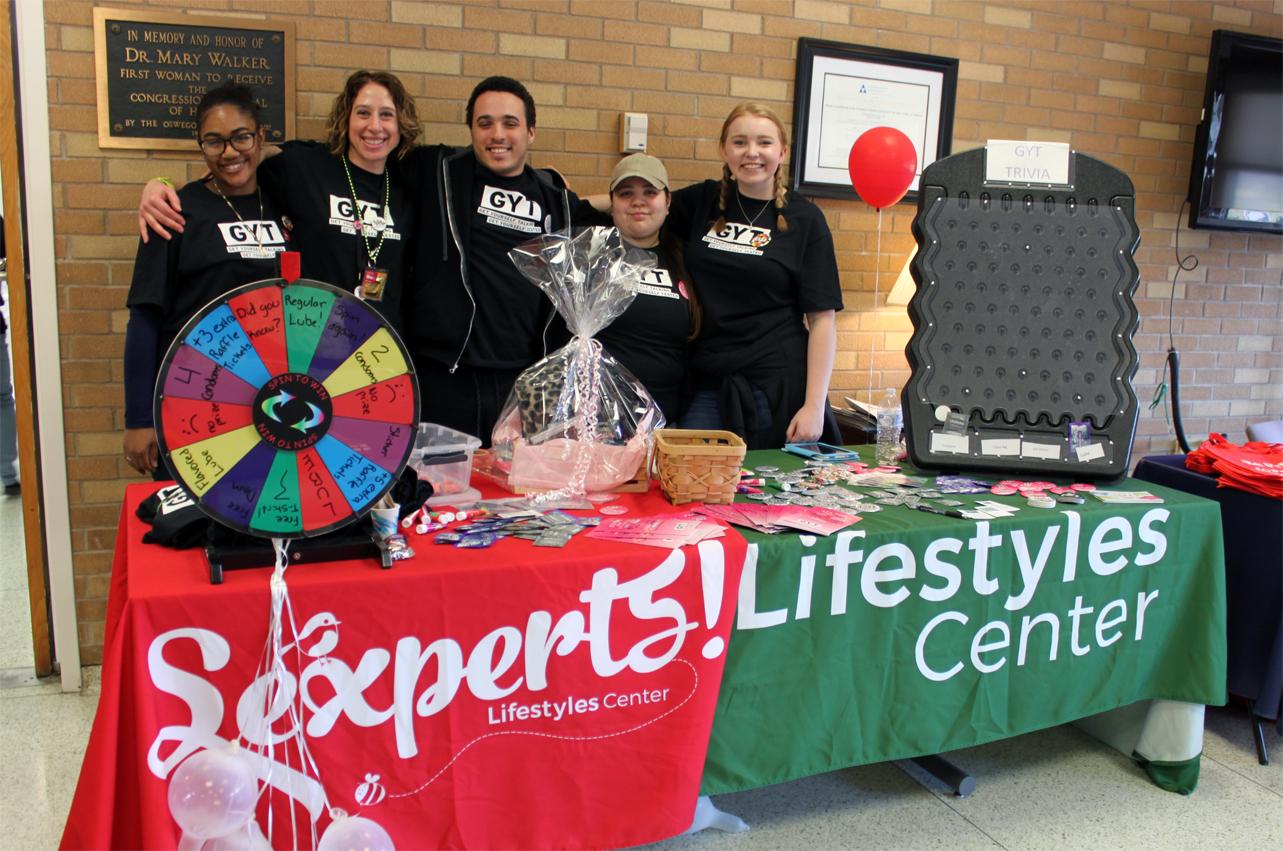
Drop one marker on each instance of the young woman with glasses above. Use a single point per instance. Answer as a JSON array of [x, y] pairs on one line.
[[233, 235]]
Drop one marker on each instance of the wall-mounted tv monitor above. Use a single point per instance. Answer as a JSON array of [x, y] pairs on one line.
[[1236, 179]]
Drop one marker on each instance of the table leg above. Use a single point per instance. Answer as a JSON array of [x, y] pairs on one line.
[[946, 772], [1258, 734], [708, 815]]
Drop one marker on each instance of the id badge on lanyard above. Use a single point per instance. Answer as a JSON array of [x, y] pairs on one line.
[[371, 284], [372, 280]]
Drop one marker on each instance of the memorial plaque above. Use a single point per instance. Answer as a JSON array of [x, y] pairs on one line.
[[153, 67]]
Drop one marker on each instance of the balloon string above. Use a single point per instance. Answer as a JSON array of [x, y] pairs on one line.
[[278, 589], [298, 722], [877, 272], [276, 671]]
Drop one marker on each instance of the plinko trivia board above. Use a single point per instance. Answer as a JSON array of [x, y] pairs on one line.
[[286, 411]]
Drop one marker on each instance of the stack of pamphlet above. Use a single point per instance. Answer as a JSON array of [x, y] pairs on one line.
[[669, 531]]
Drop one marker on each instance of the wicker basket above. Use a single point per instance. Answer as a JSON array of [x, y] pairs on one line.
[[698, 466]]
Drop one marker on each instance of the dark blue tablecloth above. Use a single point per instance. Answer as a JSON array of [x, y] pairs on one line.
[[1253, 527]]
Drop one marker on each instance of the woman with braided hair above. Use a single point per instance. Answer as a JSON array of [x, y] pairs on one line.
[[762, 260]]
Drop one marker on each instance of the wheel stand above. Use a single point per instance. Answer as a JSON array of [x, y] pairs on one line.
[[259, 553]]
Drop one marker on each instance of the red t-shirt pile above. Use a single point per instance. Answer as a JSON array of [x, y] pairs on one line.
[[1254, 467]]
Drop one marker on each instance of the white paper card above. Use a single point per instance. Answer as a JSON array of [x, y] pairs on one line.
[[1091, 452], [1010, 161], [981, 514], [957, 444], [1000, 446], [1048, 451]]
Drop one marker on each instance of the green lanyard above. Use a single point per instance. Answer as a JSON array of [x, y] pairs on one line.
[[380, 223]]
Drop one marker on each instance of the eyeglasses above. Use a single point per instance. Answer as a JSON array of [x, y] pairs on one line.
[[213, 146]]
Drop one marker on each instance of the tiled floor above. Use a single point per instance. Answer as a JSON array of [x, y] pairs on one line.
[[1055, 789], [42, 740], [1058, 788]]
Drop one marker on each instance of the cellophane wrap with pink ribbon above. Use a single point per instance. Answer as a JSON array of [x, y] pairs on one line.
[[577, 421]]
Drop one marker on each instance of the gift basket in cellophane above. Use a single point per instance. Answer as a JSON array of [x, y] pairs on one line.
[[578, 421]]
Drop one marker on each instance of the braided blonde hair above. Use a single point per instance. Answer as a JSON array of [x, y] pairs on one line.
[[781, 185]]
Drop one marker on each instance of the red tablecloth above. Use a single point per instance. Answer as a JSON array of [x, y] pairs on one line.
[[510, 697]]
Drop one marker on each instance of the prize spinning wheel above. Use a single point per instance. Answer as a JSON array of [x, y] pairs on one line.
[[286, 411]]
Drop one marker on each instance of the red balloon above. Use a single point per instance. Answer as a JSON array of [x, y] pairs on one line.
[[882, 164]]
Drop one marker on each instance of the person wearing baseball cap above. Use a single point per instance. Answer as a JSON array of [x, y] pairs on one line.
[[649, 168], [651, 337]]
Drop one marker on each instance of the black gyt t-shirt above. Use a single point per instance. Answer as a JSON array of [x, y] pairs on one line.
[[649, 337], [221, 248], [511, 311], [755, 281], [311, 187], [215, 253]]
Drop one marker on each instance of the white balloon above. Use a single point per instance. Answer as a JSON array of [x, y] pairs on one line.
[[212, 793], [354, 833], [248, 837]]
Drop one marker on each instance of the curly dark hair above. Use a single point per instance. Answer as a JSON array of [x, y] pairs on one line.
[[231, 94]]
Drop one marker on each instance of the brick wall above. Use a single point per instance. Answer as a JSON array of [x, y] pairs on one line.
[[1122, 81]]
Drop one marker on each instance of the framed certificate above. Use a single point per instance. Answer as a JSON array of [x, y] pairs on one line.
[[843, 90]]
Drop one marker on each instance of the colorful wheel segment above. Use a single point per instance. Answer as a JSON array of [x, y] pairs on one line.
[[286, 410]]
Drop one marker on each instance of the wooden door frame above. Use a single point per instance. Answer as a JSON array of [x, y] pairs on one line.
[[26, 158], [20, 340]]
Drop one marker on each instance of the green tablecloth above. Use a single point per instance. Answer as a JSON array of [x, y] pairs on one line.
[[910, 633]]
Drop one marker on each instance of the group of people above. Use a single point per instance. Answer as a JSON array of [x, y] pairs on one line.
[[734, 328]]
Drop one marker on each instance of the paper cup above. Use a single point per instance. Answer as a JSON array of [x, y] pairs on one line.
[[384, 520]]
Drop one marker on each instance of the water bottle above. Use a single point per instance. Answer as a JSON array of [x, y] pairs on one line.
[[889, 424]]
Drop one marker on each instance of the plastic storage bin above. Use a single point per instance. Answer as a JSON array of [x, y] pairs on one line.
[[443, 457]]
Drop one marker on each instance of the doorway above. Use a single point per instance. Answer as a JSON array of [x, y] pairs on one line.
[[25, 639], [18, 662]]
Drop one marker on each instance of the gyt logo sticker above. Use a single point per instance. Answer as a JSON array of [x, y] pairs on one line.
[[738, 239], [254, 239], [512, 210], [367, 218]]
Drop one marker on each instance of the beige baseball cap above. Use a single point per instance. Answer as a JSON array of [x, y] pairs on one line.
[[648, 168]]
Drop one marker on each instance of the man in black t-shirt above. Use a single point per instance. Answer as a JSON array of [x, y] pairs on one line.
[[473, 323]]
